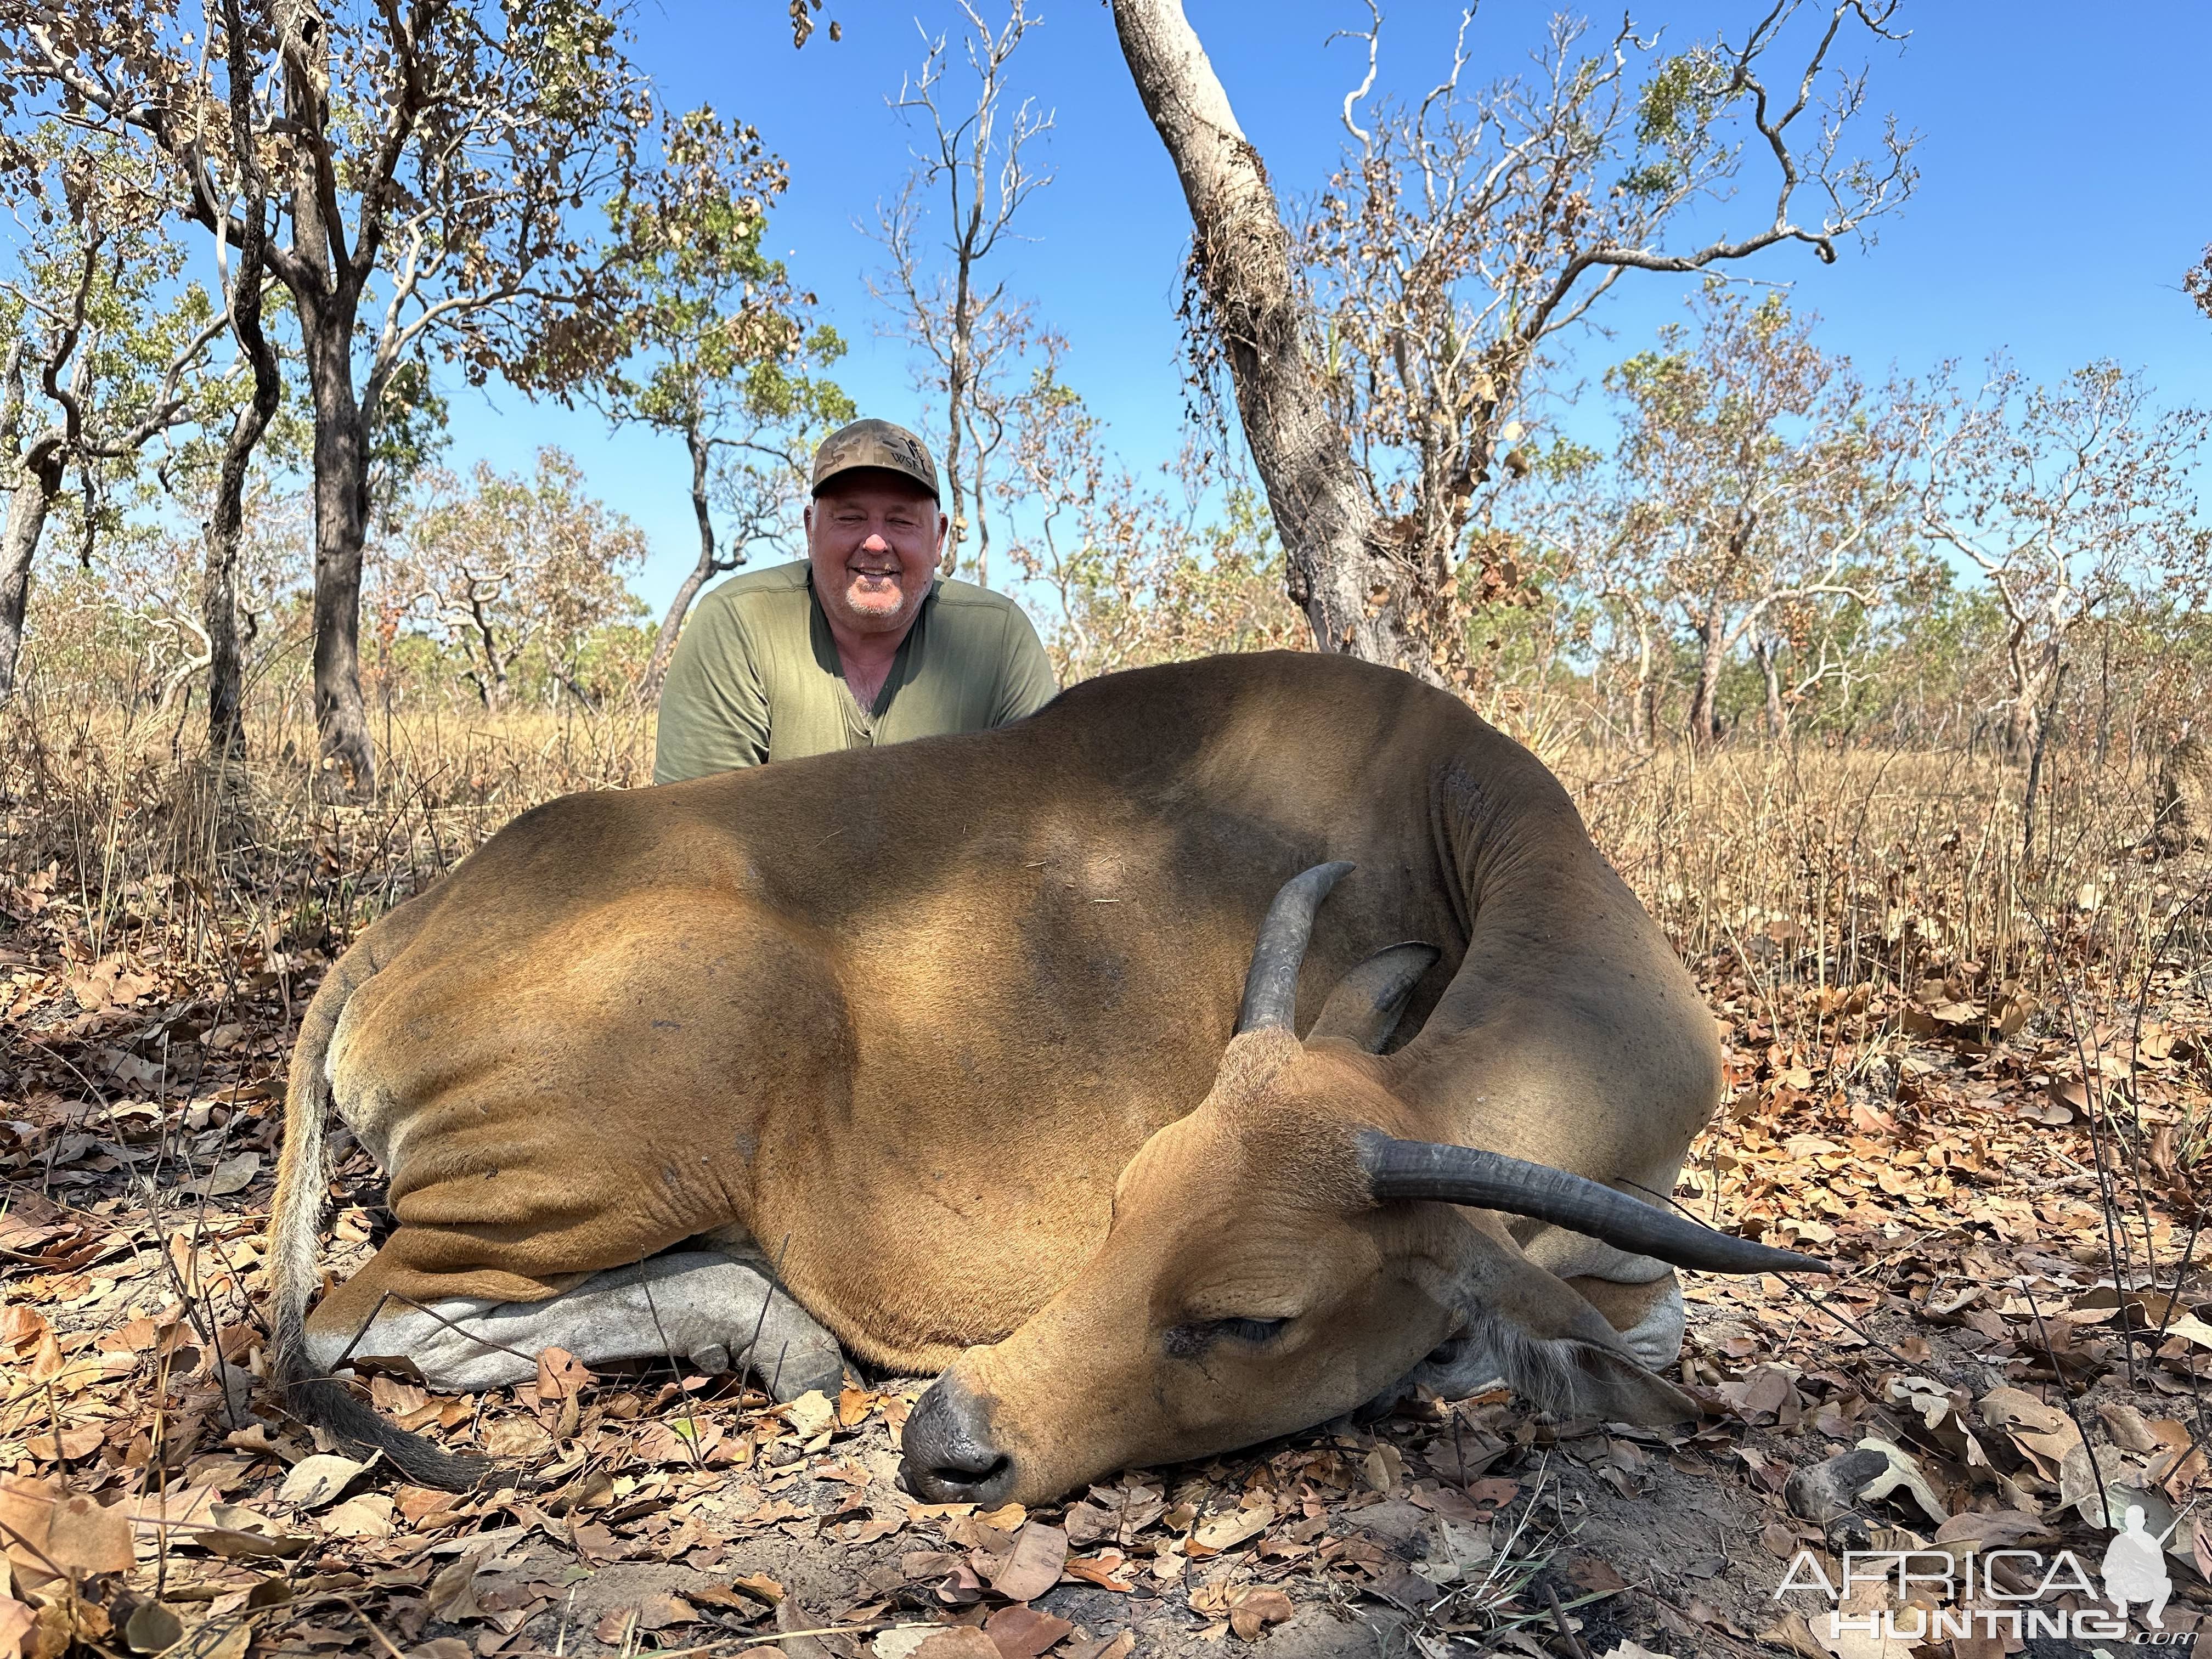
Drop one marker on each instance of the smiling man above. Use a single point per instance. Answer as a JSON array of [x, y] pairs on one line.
[[858, 644]]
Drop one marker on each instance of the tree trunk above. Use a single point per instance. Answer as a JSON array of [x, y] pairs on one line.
[[1777, 714], [2035, 764], [2023, 725], [34, 494], [982, 565], [341, 526], [227, 525], [2033, 667], [1705, 698], [326, 292], [956, 375], [492, 686], [1643, 726], [1356, 595], [664, 644], [2024, 716], [218, 593], [226, 522]]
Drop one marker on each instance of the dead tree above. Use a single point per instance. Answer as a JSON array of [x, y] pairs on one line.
[[971, 333]]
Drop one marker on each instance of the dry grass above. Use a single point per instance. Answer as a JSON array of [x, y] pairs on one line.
[[1882, 867], [113, 800], [1859, 866]]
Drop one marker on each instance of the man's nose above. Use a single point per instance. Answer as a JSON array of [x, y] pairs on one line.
[[875, 542]]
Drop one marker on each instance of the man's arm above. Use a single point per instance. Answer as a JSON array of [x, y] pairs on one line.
[[714, 706], [1026, 681]]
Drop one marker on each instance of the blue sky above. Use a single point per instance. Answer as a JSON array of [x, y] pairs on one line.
[[2065, 188]]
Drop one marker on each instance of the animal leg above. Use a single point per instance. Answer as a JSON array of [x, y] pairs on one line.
[[719, 1313]]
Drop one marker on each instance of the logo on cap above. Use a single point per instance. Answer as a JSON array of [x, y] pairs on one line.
[[874, 444]]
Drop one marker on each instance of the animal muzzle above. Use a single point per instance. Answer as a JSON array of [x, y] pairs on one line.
[[949, 1454]]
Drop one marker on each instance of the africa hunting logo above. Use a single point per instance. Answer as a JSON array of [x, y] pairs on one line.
[[1931, 1596]]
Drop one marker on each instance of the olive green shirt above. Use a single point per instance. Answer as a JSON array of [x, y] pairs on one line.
[[755, 676]]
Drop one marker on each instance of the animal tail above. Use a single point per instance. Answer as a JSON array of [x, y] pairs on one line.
[[295, 1222]]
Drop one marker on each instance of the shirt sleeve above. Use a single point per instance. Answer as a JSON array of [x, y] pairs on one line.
[[1026, 681], [714, 704]]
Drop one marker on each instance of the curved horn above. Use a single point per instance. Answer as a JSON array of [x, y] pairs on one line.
[[1365, 1006], [1490, 1180], [1271, 985]]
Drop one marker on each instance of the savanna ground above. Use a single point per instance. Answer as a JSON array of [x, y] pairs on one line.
[[1972, 1065]]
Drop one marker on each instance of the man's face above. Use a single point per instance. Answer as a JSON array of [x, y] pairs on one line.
[[873, 538]]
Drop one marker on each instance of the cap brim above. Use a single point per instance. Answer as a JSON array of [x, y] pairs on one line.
[[830, 478]]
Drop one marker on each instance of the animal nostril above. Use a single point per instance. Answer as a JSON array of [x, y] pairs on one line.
[[949, 1457], [971, 1474]]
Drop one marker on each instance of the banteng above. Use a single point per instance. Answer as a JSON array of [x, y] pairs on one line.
[[968, 1046]]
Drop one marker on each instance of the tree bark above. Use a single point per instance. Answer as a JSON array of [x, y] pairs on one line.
[[664, 644], [226, 521], [1643, 724], [325, 288], [340, 462], [958, 373], [1339, 570], [1777, 712], [34, 494], [219, 591], [491, 684], [2032, 672], [1705, 698]]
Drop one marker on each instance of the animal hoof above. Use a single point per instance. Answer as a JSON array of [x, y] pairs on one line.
[[805, 1373], [1827, 1494], [713, 1359]]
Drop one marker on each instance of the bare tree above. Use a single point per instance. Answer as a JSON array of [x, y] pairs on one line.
[[2067, 499], [1461, 235], [974, 338]]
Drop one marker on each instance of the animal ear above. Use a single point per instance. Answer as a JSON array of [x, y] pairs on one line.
[[1541, 1336], [1367, 1003], [1588, 1379]]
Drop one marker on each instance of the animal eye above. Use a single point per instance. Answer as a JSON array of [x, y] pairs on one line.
[[1188, 1341], [1249, 1330]]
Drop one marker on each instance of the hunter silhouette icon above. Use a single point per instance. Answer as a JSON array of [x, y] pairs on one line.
[[2134, 1568]]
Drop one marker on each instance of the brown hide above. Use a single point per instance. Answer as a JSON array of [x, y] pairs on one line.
[[903, 1015]]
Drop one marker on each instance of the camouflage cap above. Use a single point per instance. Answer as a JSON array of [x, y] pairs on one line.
[[874, 443]]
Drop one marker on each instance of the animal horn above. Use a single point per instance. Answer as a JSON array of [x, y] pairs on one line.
[[1490, 1180], [1271, 986], [1365, 1006]]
